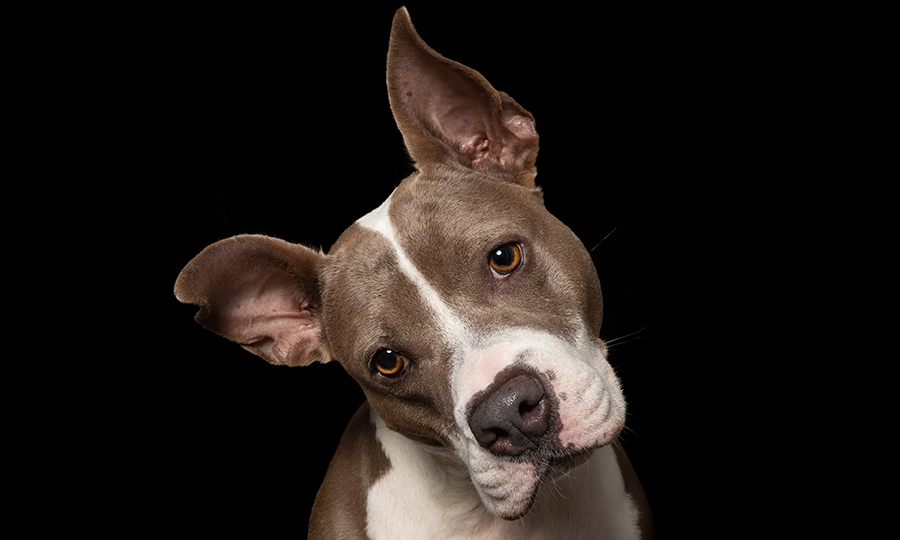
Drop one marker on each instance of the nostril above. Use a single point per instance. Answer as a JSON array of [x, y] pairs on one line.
[[490, 436], [532, 412]]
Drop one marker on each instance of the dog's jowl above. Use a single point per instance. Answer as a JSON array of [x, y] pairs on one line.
[[468, 315]]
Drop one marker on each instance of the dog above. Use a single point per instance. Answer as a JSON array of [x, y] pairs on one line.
[[469, 316]]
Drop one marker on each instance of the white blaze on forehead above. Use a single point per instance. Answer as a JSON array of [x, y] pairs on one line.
[[379, 221]]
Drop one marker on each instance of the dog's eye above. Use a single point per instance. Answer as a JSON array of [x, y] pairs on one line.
[[389, 363], [505, 259]]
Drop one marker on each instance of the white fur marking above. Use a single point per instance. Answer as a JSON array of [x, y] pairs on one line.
[[426, 496], [379, 220]]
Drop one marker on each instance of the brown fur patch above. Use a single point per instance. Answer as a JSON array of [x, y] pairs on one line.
[[358, 463], [372, 305], [636, 492]]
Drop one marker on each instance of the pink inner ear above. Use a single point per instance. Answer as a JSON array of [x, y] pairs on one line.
[[290, 340], [476, 148], [256, 295], [261, 310], [261, 292]]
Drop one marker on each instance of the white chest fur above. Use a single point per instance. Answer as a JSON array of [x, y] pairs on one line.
[[427, 495]]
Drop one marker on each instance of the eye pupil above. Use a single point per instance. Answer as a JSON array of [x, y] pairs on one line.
[[505, 258], [389, 362]]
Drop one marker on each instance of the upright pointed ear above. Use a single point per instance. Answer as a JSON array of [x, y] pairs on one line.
[[260, 292], [450, 115]]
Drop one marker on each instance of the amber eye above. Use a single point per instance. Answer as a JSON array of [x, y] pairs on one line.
[[505, 259], [389, 363]]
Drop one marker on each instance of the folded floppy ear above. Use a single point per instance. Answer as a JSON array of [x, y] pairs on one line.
[[450, 115], [260, 292]]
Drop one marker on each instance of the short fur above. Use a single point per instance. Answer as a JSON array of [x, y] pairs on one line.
[[413, 277]]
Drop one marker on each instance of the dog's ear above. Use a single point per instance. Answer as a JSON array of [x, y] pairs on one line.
[[449, 113], [260, 292]]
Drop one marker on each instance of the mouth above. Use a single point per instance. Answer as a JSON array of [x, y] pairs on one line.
[[561, 464], [546, 467]]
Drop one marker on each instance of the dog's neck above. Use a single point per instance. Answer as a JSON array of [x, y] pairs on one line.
[[435, 482], [432, 491]]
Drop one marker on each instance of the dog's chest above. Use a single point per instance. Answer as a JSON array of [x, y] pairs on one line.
[[422, 498]]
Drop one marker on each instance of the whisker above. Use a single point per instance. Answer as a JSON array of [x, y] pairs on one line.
[[447, 430], [619, 340], [558, 490], [604, 239], [625, 429]]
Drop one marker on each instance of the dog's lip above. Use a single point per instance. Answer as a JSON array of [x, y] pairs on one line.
[[557, 461], [555, 466], [570, 460]]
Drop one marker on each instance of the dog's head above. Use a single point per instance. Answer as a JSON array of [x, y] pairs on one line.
[[468, 314]]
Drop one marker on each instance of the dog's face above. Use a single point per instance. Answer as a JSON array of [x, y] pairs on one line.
[[455, 286], [468, 314]]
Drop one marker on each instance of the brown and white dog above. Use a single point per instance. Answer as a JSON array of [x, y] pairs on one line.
[[468, 314]]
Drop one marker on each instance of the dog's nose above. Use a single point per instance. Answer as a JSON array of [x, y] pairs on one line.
[[508, 420]]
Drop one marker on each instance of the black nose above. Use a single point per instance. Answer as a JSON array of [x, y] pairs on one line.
[[508, 420]]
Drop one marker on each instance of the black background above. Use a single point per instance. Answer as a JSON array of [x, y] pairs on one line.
[[277, 122]]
